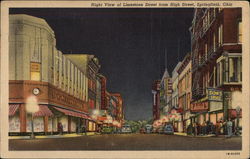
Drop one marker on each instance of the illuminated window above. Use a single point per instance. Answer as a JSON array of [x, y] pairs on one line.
[[240, 32], [35, 71]]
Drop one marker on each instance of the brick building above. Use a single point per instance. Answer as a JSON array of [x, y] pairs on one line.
[[216, 37]]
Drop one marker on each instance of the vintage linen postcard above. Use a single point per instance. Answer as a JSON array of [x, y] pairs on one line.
[[125, 79]]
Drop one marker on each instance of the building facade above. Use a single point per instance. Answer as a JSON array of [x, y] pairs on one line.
[[156, 99], [216, 39], [165, 94], [42, 75], [184, 89], [178, 124]]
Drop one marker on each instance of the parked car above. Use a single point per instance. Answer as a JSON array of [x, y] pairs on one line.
[[142, 131], [161, 130], [126, 129], [107, 130], [148, 128], [168, 129]]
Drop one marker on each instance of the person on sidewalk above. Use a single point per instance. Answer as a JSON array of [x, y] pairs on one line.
[[84, 129], [229, 127], [217, 128]]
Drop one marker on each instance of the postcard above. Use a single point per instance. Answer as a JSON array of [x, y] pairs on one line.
[[125, 79]]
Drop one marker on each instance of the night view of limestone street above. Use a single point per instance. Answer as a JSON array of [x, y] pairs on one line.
[[125, 79]]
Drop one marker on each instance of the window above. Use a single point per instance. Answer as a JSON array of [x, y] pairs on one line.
[[206, 51], [220, 34], [229, 69], [235, 70], [214, 42], [35, 71], [240, 32]]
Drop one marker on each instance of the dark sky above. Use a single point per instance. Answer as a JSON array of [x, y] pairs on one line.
[[129, 44]]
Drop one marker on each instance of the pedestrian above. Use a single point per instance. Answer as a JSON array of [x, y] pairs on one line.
[[195, 129], [84, 130], [229, 126], [60, 128], [203, 127], [217, 128]]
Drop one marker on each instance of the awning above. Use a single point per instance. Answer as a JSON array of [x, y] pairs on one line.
[[12, 109], [72, 113], [43, 111]]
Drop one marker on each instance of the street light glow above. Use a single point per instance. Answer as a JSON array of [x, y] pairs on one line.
[[32, 104]]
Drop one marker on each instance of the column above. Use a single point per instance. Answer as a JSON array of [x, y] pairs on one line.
[[46, 121], [22, 116]]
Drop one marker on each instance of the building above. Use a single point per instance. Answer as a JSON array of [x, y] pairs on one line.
[[43, 82], [184, 89], [156, 99], [216, 39], [178, 124], [165, 94], [119, 107]]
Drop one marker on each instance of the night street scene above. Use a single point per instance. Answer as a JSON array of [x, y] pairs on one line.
[[125, 79]]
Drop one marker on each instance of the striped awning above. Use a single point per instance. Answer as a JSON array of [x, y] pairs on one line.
[[43, 111], [72, 113], [13, 108]]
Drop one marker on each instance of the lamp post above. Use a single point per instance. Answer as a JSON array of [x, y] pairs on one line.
[[32, 107]]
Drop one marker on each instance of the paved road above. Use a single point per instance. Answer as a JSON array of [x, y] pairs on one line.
[[128, 142]]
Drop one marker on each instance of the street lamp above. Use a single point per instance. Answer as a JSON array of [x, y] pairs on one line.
[[32, 107]]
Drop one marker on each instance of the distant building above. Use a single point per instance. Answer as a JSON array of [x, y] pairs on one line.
[[165, 93], [216, 39], [184, 90], [156, 99], [119, 108], [178, 124]]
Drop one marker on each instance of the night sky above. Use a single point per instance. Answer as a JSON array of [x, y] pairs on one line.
[[129, 43]]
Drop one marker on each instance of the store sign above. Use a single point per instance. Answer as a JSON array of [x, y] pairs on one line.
[[214, 106], [199, 106], [214, 94]]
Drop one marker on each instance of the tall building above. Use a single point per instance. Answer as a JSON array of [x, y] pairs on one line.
[[43, 82], [156, 99], [216, 39], [165, 93], [184, 89]]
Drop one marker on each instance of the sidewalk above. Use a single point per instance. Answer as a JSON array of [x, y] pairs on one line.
[[55, 136], [210, 135], [185, 134]]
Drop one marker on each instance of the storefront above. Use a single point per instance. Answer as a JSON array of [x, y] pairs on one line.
[[42, 119]]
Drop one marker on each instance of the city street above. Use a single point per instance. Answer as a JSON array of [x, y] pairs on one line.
[[128, 142]]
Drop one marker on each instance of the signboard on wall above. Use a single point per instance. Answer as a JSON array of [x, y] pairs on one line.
[[214, 94], [214, 106]]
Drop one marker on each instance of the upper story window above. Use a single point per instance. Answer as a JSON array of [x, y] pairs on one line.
[[35, 71], [229, 69], [239, 32], [220, 31]]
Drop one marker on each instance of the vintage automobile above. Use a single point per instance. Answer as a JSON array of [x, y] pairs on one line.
[[142, 131], [107, 130], [168, 129], [126, 129], [148, 128]]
